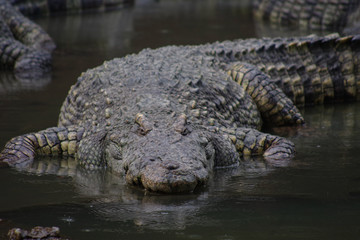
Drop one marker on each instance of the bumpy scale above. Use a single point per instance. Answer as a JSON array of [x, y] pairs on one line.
[[333, 15], [165, 118], [24, 46]]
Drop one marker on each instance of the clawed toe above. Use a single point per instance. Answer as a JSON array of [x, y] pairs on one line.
[[281, 149]]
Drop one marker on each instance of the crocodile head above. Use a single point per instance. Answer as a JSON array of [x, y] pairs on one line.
[[163, 155]]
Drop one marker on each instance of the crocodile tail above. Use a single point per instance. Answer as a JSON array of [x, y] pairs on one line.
[[309, 70], [330, 69], [55, 141], [308, 15], [25, 61]]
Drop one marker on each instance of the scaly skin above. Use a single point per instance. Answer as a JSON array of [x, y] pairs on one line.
[[320, 15], [165, 118], [24, 46], [310, 70]]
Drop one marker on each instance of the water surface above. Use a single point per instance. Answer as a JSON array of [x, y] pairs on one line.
[[315, 196]]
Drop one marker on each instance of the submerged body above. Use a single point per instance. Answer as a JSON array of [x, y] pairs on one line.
[[166, 117]]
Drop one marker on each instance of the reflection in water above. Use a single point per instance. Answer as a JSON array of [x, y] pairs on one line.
[[10, 82], [105, 32], [110, 198], [315, 195]]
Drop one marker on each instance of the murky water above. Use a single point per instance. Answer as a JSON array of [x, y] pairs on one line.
[[315, 196]]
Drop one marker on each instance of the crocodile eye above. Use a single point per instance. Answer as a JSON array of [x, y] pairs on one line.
[[185, 132], [144, 125], [113, 150], [142, 131], [203, 141], [180, 125]]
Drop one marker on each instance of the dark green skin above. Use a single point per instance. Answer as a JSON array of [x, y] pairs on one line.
[[165, 118], [318, 15], [25, 47]]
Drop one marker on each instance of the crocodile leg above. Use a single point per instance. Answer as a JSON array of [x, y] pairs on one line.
[[53, 141], [250, 142], [274, 105]]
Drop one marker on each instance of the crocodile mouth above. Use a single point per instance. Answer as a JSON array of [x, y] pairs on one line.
[[168, 178]]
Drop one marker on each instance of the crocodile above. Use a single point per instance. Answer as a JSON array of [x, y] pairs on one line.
[[41, 7], [165, 118], [24, 46], [313, 15]]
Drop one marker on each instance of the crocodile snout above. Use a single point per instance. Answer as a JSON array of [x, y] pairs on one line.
[[168, 176]]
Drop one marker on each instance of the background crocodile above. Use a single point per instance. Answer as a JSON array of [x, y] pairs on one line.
[[166, 117], [24, 46], [319, 15]]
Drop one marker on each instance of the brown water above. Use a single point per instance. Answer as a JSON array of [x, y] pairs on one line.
[[316, 196]]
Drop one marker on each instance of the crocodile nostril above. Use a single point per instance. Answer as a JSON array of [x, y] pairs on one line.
[[171, 166]]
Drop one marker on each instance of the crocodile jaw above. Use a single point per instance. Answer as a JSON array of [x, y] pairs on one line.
[[169, 177]]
